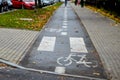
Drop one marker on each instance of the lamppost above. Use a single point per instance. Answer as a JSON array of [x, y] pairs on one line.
[[35, 3]]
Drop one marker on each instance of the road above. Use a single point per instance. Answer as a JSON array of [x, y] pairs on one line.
[[64, 47]]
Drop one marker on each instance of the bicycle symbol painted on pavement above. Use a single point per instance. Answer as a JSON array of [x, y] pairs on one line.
[[66, 61]]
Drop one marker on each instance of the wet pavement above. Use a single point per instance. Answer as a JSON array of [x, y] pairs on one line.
[[18, 74], [103, 32], [64, 47]]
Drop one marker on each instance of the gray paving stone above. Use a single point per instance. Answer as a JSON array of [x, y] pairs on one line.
[[14, 43]]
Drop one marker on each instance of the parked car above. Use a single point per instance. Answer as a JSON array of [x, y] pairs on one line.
[[46, 2], [28, 4], [62, 0], [10, 4], [3, 5], [55, 1], [51, 2]]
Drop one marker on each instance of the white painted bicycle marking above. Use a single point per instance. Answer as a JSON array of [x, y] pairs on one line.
[[66, 61]]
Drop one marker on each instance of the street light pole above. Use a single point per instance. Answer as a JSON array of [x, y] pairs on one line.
[[35, 3]]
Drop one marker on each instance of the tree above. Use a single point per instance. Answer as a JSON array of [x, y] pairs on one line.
[[38, 4]]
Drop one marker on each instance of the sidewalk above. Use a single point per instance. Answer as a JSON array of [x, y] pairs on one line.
[[14, 43], [105, 37]]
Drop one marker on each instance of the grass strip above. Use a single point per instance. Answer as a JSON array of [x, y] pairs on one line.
[[27, 19]]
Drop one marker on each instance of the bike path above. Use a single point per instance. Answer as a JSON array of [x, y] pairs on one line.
[[105, 35], [65, 37]]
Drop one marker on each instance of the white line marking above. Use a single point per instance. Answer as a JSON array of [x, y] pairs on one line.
[[60, 70], [63, 33], [47, 44], [53, 30], [64, 26], [65, 21], [78, 45]]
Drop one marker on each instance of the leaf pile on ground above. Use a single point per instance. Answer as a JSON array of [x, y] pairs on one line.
[[105, 13], [27, 19], [3, 65]]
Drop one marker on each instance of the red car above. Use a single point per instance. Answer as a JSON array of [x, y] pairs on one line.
[[27, 4]]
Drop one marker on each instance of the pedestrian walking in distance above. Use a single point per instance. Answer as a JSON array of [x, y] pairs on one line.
[[65, 2], [76, 2], [82, 3]]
